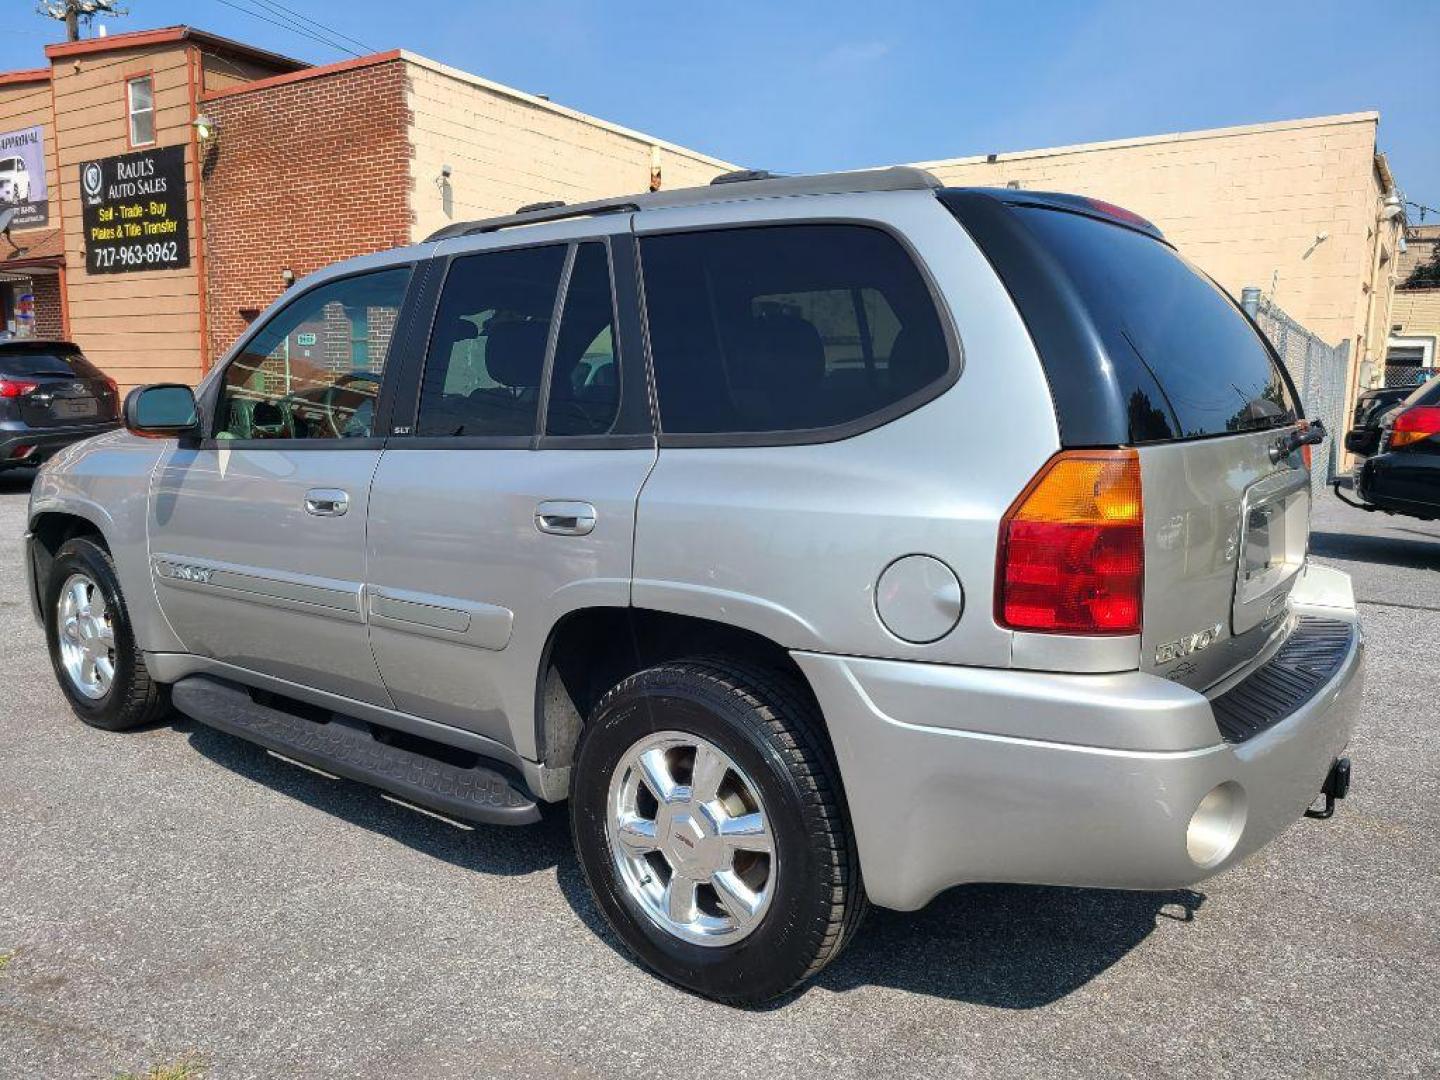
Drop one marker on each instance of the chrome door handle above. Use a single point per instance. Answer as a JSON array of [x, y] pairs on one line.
[[565, 518], [326, 502]]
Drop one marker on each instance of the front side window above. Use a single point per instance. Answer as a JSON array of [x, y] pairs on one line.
[[314, 370], [485, 365], [141, 103], [786, 328]]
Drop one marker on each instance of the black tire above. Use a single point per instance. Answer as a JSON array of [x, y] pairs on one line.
[[133, 698], [770, 728]]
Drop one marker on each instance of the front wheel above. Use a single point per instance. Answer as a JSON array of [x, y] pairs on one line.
[[92, 647], [710, 826]]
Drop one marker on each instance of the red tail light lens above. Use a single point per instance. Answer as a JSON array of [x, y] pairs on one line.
[[1415, 425], [1072, 548], [13, 388]]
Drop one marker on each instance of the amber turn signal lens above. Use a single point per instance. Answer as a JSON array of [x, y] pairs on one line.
[[1072, 548]]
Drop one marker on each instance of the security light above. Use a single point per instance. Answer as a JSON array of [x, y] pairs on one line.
[[204, 128]]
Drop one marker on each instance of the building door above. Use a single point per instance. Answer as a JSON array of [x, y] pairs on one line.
[[257, 535], [513, 501]]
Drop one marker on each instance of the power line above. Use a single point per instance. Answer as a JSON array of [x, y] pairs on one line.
[[292, 27], [283, 11]]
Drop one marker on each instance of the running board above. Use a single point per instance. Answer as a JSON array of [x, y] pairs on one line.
[[477, 794]]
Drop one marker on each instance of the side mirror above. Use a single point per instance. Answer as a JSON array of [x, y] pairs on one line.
[[162, 411]]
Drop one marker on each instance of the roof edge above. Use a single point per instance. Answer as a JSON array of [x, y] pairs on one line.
[[574, 114], [168, 35], [300, 76], [29, 75], [1369, 116]]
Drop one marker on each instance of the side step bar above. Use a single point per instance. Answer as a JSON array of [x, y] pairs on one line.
[[475, 794]]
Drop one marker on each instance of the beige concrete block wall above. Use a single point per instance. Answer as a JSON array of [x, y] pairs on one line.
[[1416, 313], [1244, 203], [507, 148]]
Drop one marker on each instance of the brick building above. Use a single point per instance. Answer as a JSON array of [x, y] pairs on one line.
[[272, 168], [181, 179]]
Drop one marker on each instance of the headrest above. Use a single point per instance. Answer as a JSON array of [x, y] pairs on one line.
[[464, 330], [914, 361], [781, 355], [515, 352]]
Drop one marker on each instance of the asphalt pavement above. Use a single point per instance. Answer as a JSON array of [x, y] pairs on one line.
[[174, 893]]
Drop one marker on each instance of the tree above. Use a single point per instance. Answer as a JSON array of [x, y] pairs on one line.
[[73, 12], [1427, 273]]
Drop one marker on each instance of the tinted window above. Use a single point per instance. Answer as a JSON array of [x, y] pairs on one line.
[[1214, 372], [1427, 393], [27, 361], [313, 371], [585, 381], [487, 351], [786, 328]]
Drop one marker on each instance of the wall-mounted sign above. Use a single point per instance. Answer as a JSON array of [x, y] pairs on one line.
[[22, 176], [133, 210], [306, 341]]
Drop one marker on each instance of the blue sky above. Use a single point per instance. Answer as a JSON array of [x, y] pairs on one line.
[[820, 85]]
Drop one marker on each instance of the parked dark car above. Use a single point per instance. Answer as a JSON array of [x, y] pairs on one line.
[[1371, 408], [50, 397], [1403, 477]]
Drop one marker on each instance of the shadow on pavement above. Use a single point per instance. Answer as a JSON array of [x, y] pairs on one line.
[[1392, 551], [485, 850], [1005, 946]]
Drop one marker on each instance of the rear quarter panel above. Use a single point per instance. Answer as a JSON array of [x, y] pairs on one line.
[[789, 541]]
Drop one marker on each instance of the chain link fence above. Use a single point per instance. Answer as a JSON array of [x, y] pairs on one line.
[[1321, 373]]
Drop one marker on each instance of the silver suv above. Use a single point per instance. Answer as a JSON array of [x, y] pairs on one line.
[[822, 540]]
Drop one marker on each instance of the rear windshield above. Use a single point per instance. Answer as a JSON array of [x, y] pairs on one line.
[[1212, 372], [46, 362]]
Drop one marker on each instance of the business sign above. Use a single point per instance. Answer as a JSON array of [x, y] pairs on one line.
[[133, 210], [22, 177]]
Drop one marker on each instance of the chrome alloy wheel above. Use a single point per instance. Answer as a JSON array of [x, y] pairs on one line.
[[690, 839], [87, 637]]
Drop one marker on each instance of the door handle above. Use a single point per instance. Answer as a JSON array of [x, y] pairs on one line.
[[565, 518], [326, 502]]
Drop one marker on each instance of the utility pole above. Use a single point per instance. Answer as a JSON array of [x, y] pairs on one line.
[[73, 12]]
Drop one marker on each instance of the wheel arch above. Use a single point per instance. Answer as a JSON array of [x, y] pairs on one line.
[[591, 649]]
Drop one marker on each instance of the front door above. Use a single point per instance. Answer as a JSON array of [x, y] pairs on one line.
[[513, 501], [257, 535]]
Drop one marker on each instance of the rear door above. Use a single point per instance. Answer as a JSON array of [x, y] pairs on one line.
[[509, 499], [57, 386], [257, 534], [1226, 504]]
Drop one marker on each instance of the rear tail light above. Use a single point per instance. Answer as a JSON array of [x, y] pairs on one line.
[[1072, 548], [1415, 425], [14, 388], [20, 453], [1305, 450], [113, 386]]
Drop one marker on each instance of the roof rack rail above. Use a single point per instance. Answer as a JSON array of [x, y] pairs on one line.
[[532, 207], [748, 184], [741, 176]]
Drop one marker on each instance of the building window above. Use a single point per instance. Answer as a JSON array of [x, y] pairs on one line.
[[141, 94]]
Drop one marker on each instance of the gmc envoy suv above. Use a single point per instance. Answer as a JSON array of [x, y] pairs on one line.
[[824, 541]]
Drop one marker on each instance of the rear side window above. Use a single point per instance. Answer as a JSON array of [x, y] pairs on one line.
[[1213, 371], [487, 352], [787, 328], [1427, 393], [47, 362], [585, 379]]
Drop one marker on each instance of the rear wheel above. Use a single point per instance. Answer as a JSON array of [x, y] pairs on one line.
[[709, 824], [92, 648]]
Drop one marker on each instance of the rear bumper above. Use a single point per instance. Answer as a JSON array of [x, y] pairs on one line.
[[1401, 482], [46, 441], [963, 774]]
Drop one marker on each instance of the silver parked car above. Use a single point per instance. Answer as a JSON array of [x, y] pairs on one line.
[[824, 541]]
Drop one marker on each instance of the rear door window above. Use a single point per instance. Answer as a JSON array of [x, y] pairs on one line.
[[486, 360], [1214, 372], [789, 328]]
